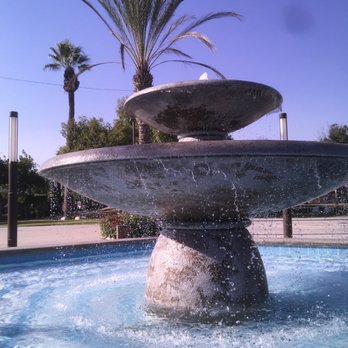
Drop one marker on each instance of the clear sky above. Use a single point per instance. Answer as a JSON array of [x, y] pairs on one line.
[[298, 47]]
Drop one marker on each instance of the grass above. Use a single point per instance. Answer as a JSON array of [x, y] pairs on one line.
[[49, 222]]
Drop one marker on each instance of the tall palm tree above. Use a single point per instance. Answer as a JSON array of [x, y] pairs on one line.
[[146, 31], [67, 56]]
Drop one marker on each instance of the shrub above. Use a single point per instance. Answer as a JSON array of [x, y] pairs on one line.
[[139, 226], [108, 224]]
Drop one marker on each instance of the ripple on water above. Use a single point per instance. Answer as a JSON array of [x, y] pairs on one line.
[[99, 302]]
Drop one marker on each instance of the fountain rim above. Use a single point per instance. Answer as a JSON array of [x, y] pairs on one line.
[[181, 108], [221, 148], [196, 83]]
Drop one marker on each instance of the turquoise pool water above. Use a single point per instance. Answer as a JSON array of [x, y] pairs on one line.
[[96, 300]]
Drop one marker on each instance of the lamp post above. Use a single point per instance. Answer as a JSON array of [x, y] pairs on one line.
[[287, 218], [12, 181], [283, 123]]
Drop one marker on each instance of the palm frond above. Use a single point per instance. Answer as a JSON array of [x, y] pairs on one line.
[[134, 17], [53, 67], [176, 52], [55, 53], [187, 32], [116, 13], [156, 8], [122, 56], [168, 50], [81, 60], [196, 35], [87, 67], [147, 29], [55, 58], [159, 21], [114, 10], [155, 41], [209, 17], [115, 34], [66, 54], [165, 14], [124, 15], [162, 50]]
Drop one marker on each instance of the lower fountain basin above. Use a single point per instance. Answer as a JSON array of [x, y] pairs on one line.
[[81, 300], [203, 181]]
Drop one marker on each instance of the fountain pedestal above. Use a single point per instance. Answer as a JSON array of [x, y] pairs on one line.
[[198, 270]]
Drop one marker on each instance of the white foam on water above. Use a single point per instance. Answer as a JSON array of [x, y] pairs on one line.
[[100, 303]]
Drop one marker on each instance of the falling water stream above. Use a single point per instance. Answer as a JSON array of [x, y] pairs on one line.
[[98, 301]]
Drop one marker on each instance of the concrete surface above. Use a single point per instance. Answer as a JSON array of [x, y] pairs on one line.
[[311, 230], [314, 231], [57, 235]]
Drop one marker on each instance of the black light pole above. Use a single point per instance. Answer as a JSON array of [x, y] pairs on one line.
[[12, 181], [133, 131], [287, 218]]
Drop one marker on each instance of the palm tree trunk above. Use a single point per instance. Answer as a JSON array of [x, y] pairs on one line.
[[145, 134], [143, 79], [71, 121], [70, 145], [65, 202]]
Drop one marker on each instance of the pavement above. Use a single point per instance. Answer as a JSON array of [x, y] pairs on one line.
[[55, 235], [321, 231], [305, 230]]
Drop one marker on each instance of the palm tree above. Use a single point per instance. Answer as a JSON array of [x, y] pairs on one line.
[[68, 57], [146, 31]]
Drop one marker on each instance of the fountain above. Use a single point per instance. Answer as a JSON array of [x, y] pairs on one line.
[[205, 188]]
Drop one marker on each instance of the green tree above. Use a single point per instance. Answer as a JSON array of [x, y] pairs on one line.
[[146, 30], [160, 137], [336, 134], [32, 188], [122, 130], [67, 56], [88, 133]]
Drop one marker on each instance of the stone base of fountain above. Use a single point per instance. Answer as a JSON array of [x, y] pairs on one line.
[[205, 270]]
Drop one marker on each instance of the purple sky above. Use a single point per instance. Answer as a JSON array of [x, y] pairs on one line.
[[298, 47]]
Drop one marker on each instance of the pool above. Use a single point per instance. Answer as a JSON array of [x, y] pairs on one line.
[[95, 298]]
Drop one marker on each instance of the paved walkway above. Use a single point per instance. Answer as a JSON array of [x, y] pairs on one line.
[[313, 230], [322, 231], [55, 235]]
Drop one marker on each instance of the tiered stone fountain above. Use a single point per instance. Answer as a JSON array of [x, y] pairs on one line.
[[204, 188]]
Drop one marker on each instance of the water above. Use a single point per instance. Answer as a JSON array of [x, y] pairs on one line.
[[98, 301]]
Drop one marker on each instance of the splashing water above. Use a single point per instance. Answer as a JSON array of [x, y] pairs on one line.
[[98, 301]]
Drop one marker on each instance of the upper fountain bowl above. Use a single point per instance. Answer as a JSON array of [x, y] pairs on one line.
[[204, 109]]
